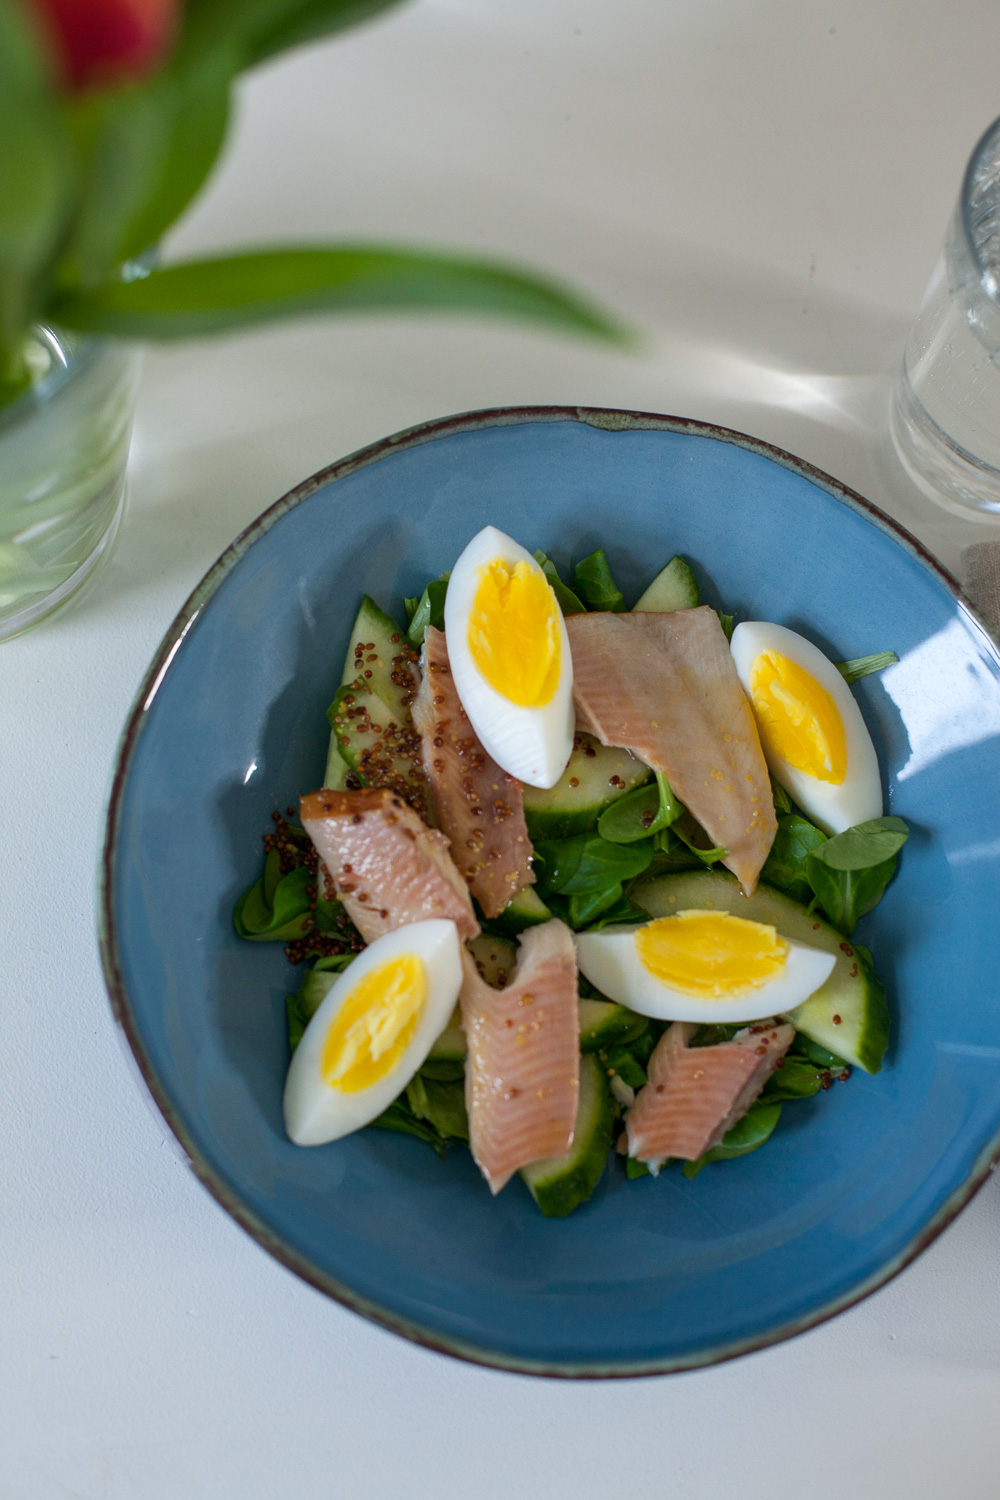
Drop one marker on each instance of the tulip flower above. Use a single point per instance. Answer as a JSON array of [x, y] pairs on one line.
[[108, 41]]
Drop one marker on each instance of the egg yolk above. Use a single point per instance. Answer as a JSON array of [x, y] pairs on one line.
[[514, 635], [798, 720], [710, 954], [373, 1027]]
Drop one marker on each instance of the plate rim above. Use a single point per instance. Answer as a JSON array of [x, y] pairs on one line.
[[609, 419]]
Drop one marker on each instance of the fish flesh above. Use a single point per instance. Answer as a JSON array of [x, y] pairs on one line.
[[664, 686], [696, 1094], [387, 867], [477, 805], [522, 1073]]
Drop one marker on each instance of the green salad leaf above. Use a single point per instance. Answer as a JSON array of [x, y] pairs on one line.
[[620, 910], [587, 863], [695, 839], [747, 1135], [428, 610], [813, 1052], [554, 861], [592, 908], [786, 864], [442, 1105], [621, 1062], [593, 582], [443, 1069], [400, 1117], [431, 1111], [565, 597], [582, 878], [849, 873], [303, 1005], [641, 813], [865, 845], [276, 909], [797, 1078], [641, 1046]]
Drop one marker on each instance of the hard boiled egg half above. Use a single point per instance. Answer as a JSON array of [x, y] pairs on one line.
[[705, 966], [372, 1032], [510, 658], [811, 730]]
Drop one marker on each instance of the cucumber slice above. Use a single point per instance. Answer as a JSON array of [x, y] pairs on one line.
[[337, 770], [373, 744], [381, 656], [451, 1045], [595, 776], [526, 909], [848, 1014], [674, 587], [560, 1183], [605, 1024], [496, 958]]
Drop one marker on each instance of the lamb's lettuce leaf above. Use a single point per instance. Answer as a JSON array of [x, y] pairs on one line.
[[786, 864], [593, 582], [849, 873]]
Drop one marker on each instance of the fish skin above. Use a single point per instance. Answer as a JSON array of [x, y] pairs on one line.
[[664, 686], [387, 866], [476, 803], [509, 1125], [696, 1094]]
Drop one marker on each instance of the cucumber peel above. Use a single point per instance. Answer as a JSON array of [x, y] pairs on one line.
[[561, 1183], [603, 1023]]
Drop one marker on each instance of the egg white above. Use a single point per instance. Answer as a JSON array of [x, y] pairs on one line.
[[859, 795], [315, 1112], [610, 960], [532, 744]]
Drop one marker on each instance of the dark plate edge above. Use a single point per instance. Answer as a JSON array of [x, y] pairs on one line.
[[609, 420]]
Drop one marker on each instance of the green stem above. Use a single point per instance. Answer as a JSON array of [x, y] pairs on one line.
[[15, 374]]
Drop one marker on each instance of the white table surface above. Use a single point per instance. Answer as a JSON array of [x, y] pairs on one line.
[[763, 189]]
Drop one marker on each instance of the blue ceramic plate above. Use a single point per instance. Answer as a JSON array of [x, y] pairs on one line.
[[651, 1275]]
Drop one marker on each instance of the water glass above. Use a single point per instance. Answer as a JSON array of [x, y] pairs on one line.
[[63, 450], [945, 405]]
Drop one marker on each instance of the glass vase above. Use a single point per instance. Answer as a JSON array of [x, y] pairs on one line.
[[63, 450]]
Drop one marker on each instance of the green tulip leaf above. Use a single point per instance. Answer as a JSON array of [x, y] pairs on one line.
[[310, 21], [36, 186], [230, 291]]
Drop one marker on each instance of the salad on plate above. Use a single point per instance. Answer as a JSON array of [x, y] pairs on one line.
[[581, 881]]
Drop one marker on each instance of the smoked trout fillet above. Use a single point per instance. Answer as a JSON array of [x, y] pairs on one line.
[[695, 1094], [664, 686], [388, 867], [477, 805], [522, 1074]]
